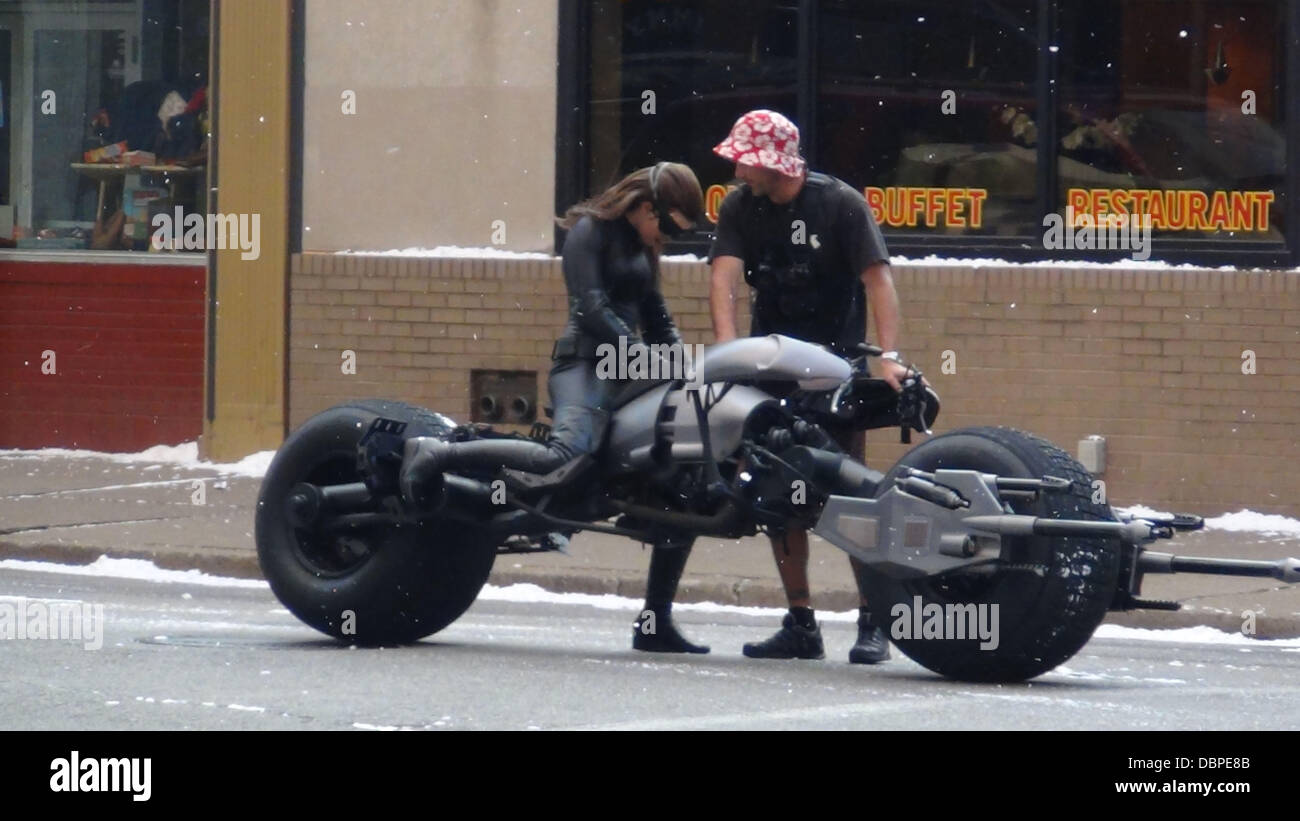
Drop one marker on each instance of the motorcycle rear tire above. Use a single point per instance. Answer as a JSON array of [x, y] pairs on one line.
[[378, 584]]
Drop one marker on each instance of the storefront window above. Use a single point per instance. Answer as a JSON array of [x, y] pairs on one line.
[[668, 80], [112, 128], [1174, 110], [929, 108]]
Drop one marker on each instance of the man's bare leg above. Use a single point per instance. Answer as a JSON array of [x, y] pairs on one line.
[[799, 636], [791, 554]]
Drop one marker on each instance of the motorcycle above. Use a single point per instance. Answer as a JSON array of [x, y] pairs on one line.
[[975, 521]]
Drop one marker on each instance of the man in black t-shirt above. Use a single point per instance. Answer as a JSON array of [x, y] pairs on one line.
[[812, 253]]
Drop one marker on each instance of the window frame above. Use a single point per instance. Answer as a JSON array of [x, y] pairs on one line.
[[572, 110]]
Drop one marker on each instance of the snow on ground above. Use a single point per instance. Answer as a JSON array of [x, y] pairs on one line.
[[1243, 521], [142, 570], [137, 569], [183, 455], [187, 455], [1248, 520]]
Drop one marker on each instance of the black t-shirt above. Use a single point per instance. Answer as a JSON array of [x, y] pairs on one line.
[[804, 260]]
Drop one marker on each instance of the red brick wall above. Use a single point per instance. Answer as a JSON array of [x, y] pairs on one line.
[[128, 354], [1149, 359]]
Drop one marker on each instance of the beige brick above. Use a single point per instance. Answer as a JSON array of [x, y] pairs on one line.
[[441, 345], [342, 283], [420, 300], [411, 314], [407, 283], [1154, 330], [358, 298], [1162, 299], [1141, 315], [1121, 298], [1256, 317], [408, 344]]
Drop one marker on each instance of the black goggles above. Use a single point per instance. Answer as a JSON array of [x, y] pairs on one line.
[[668, 226]]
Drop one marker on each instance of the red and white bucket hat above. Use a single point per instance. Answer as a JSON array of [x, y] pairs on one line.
[[764, 139]]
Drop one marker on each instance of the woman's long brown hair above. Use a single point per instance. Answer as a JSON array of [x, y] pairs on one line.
[[678, 186]]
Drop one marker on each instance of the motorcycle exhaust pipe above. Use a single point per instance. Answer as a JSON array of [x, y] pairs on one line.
[[458, 497], [835, 471], [717, 523]]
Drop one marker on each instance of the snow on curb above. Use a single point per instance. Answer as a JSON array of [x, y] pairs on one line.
[[1243, 521], [136, 569], [184, 455], [142, 570]]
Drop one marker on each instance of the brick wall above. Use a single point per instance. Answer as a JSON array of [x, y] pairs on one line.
[[128, 355], [1152, 360]]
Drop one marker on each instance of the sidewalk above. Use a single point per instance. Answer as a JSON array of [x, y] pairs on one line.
[[75, 509]]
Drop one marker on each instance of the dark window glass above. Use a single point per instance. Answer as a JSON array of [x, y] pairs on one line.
[[668, 80], [1174, 109], [929, 107]]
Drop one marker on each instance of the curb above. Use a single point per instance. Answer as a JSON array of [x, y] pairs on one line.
[[742, 592]]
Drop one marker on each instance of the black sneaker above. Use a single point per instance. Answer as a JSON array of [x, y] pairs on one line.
[[790, 642], [872, 646]]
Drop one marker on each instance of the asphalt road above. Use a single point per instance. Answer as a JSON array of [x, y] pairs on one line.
[[179, 656]]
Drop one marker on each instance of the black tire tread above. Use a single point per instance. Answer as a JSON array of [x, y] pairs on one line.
[[430, 589], [1063, 616]]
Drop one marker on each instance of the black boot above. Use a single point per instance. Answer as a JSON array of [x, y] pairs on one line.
[[420, 479], [426, 458], [654, 630], [872, 646]]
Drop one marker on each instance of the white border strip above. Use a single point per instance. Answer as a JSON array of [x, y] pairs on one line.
[[78, 257]]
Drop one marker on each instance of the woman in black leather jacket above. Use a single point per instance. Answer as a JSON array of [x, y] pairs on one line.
[[611, 271]]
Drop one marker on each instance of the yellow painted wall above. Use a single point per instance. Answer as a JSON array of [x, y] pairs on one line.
[[251, 53]]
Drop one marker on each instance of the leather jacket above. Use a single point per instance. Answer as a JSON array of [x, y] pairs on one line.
[[612, 290]]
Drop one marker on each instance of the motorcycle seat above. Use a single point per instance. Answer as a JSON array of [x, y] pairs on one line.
[[629, 390], [633, 388]]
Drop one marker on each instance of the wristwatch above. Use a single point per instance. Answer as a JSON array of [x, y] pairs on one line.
[[892, 356]]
